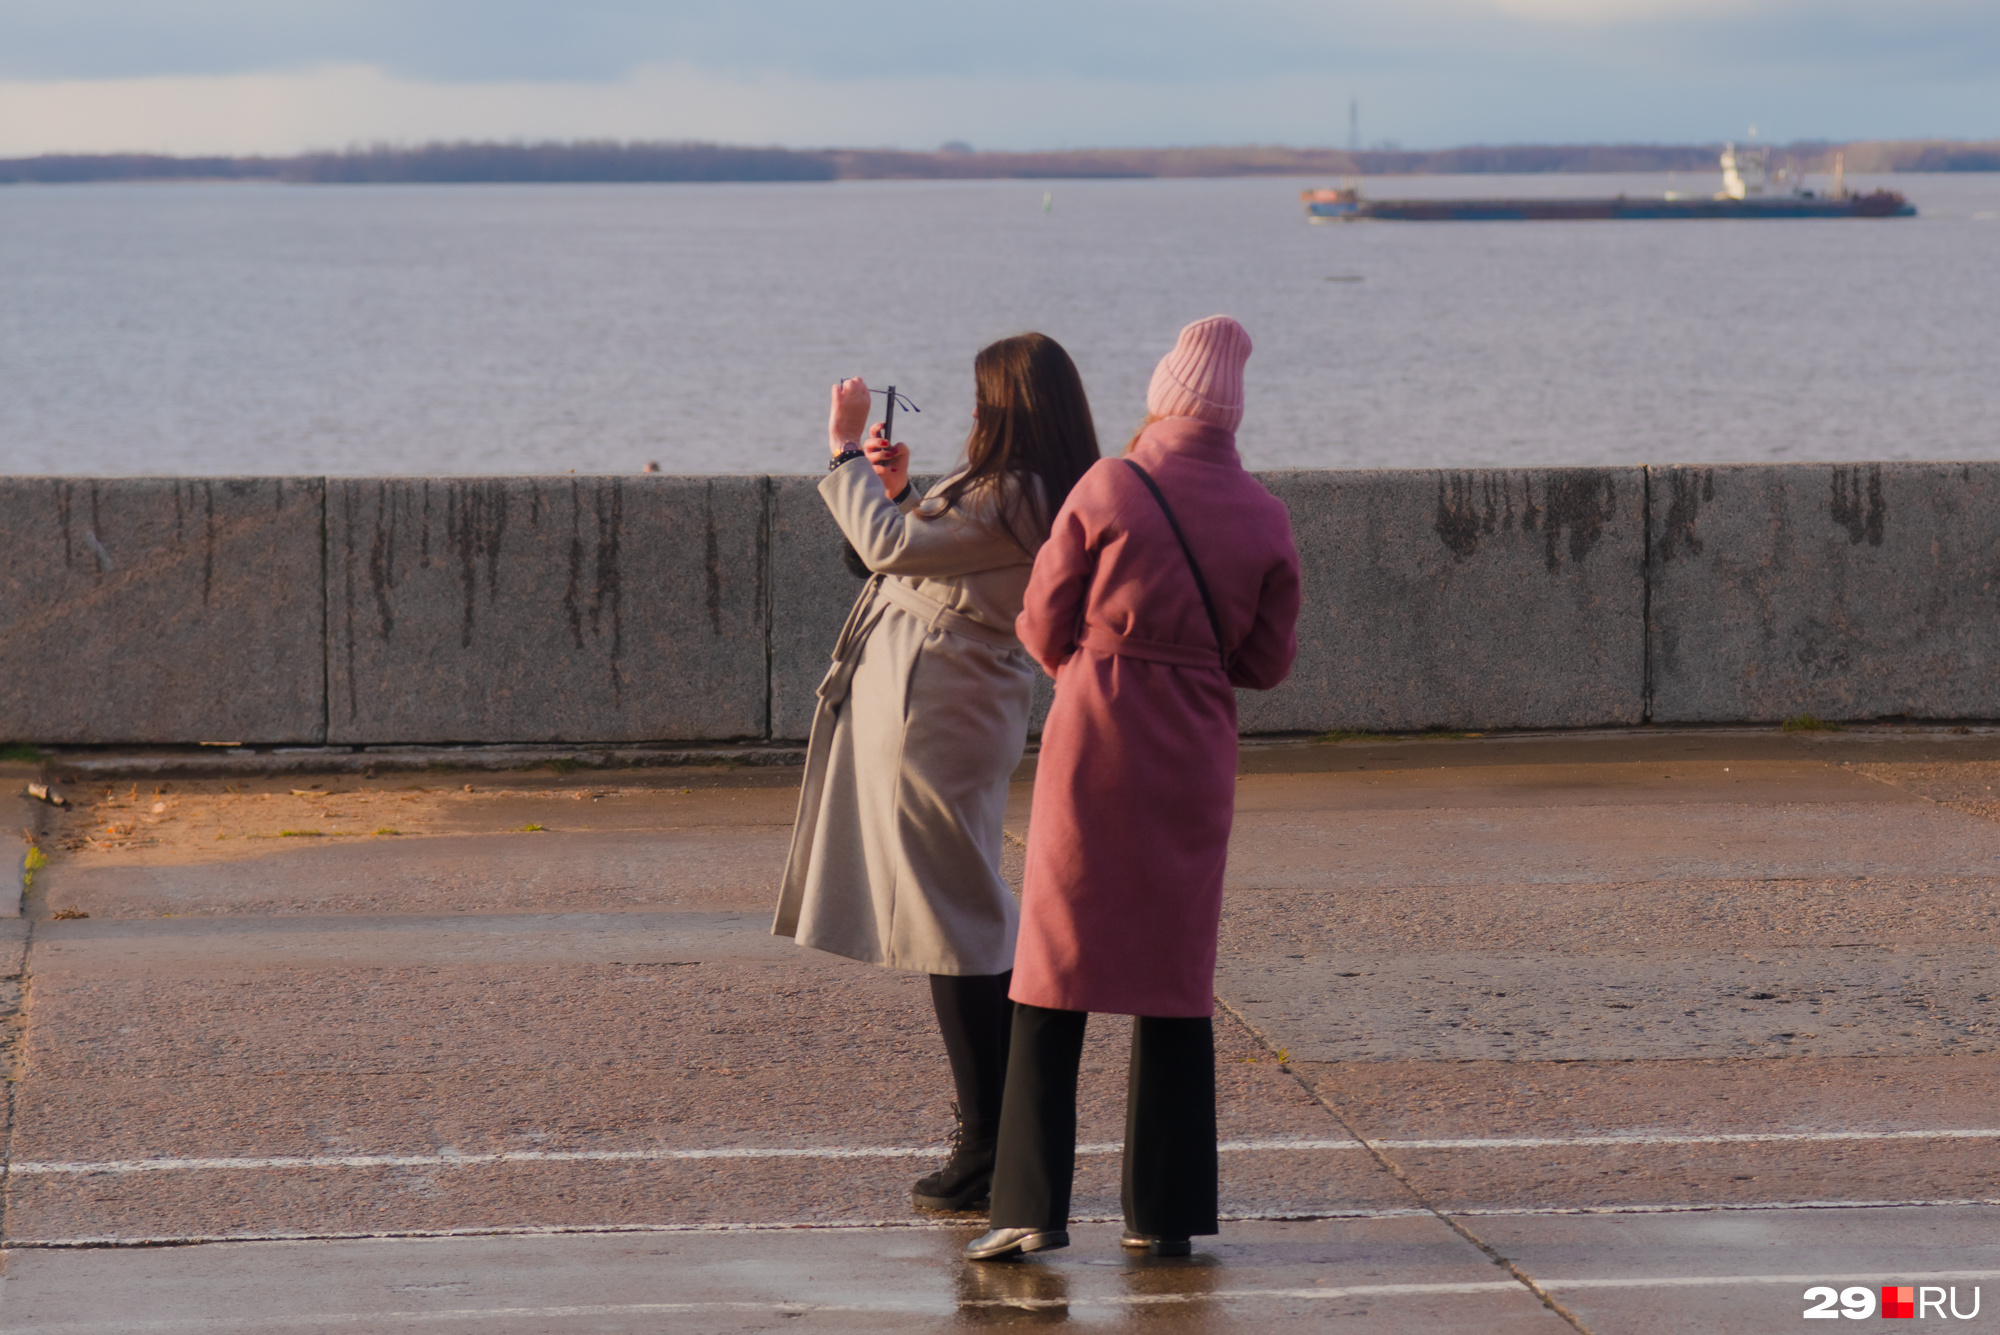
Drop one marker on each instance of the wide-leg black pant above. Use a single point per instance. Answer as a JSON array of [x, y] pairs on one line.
[[1170, 1152], [976, 1019]]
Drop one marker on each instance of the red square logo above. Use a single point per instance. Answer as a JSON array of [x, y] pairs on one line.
[[1899, 1302]]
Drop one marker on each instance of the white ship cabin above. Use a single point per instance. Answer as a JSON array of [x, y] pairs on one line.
[[1745, 173]]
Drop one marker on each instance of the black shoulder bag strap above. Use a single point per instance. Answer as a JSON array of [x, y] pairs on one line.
[[1194, 567]]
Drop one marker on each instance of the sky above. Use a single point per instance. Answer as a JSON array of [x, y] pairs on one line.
[[282, 76]]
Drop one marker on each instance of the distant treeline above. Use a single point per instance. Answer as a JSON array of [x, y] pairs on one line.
[[1923, 155], [445, 163], [608, 161], [1255, 160], [459, 163]]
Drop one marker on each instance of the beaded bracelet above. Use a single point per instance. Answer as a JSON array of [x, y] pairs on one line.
[[847, 455]]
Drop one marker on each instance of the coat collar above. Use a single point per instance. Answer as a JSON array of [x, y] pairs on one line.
[[1186, 435]]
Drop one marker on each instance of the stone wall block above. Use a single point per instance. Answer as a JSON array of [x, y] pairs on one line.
[[547, 609], [811, 592], [162, 610], [1438, 599], [1847, 591]]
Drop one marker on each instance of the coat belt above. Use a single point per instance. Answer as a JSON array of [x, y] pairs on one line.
[[1103, 640], [861, 619], [881, 593], [939, 617]]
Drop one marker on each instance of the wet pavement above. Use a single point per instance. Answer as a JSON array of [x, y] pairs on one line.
[[1619, 1033]]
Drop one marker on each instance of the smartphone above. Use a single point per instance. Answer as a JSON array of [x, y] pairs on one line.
[[889, 412]]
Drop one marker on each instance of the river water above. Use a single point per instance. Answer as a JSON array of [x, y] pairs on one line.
[[220, 329]]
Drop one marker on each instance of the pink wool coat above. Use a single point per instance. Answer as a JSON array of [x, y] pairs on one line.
[[1135, 789]]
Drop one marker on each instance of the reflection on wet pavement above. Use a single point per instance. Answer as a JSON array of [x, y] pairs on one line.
[[1024, 1292]]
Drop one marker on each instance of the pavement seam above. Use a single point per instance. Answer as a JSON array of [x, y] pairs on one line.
[[16, 1052], [1395, 1170], [15, 1049], [17, 1056]]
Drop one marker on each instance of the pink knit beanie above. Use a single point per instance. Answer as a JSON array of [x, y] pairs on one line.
[[1202, 377]]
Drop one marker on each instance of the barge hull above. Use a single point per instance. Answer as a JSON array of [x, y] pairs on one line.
[[1884, 204]]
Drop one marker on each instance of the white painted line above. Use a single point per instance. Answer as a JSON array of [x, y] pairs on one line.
[[586, 1230], [459, 1160], [248, 1164], [35, 1169], [940, 1306], [1668, 1138], [1328, 1214], [1696, 1281], [1703, 1207]]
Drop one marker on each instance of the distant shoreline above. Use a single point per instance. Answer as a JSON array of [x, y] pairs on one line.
[[608, 162]]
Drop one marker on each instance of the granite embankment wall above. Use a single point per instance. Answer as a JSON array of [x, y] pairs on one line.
[[634, 609]]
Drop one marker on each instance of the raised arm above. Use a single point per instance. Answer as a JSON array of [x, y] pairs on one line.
[[900, 541]]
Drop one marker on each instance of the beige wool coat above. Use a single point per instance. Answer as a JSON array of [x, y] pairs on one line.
[[921, 720]]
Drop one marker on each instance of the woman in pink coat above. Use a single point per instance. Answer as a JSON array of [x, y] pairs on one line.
[[1147, 607]]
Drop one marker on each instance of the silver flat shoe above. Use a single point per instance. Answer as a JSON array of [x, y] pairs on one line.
[[1002, 1243], [1146, 1242]]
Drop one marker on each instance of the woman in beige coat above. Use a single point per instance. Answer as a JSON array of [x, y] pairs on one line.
[[895, 856]]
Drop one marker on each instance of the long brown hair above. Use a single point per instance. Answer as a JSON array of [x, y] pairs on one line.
[[1033, 421]]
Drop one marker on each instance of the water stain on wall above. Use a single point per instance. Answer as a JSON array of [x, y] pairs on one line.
[[99, 553], [347, 500], [1861, 520], [1578, 502], [607, 576], [610, 579], [62, 490], [208, 537], [382, 557], [573, 590], [424, 530], [711, 559], [475, 527], [482, 540], [1461, 517], [90, 535], [1688, 489]]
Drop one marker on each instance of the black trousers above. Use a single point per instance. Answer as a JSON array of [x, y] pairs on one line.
[[1170, 1154], [977, 1020]]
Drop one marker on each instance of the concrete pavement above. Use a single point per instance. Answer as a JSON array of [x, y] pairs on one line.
[[1627, 1032]]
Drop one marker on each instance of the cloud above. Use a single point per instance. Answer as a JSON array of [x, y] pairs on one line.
[[340, 106], [1624, 11], [279, 76], [595, 40]]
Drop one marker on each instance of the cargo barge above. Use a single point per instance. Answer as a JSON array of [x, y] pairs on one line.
[[1743, 195]]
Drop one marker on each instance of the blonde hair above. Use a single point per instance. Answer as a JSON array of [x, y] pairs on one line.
[[1150, 419]]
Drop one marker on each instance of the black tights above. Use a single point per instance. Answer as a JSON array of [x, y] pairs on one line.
[[977, 1021]]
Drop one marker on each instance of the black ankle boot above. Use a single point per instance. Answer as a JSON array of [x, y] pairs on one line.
[[966, 1178]]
